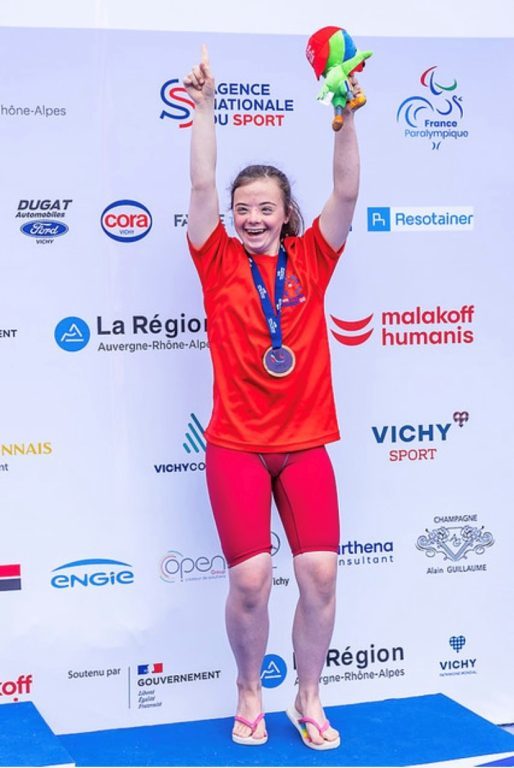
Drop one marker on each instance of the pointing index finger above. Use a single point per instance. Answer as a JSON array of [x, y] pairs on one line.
[[205, 56]]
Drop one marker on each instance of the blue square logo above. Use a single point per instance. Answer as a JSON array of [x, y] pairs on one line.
[[379, 219]]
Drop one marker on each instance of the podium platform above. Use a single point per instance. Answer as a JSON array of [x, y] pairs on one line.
[[26, 739], [419, 731]]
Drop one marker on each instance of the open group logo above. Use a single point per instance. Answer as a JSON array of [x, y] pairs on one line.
[[450, 329], [237, 104], [436, 117], [176, 567], [415, 219], [126, 221], [273, 671], [72, 334], [94, 572]]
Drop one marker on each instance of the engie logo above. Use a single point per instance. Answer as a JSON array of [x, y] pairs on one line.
[[16, 688], [273, 671], [126, 221], [96, 572], [237, 104], [436, 115], [72, 334], [357, 332], [416, 219]]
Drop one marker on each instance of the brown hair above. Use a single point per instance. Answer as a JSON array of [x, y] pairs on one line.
[[295, 225]]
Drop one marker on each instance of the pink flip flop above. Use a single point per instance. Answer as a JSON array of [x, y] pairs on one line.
[[299, 721], [250, 741]]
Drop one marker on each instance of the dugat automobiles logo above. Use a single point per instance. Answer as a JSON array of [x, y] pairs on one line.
[[72, 334], [435, 116], [93, 572], [236, 104], [126, 221]]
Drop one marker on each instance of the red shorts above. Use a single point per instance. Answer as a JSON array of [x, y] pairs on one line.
[[303, 485]]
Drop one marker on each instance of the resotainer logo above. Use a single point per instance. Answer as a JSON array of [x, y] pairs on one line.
[[72, 334]]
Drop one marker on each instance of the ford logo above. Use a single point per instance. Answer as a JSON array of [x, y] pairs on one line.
[[44, 228], [126, 221]]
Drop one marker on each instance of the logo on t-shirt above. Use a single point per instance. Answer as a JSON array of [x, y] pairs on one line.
[[293, 292]]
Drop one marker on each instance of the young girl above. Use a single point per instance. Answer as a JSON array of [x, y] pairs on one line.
[[273, 402]]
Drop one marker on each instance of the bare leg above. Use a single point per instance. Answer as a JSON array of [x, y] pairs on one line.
[[312, 630], [247, 628]]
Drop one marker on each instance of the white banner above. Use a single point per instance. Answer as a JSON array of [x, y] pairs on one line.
[[111, 577]]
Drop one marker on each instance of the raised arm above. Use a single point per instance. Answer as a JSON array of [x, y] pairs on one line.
[[336, 216], [203, 206]]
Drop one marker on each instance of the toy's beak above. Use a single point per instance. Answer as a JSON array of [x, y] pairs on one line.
[[356, 63]]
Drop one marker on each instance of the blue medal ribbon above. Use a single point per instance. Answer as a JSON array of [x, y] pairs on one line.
[[272, 314]]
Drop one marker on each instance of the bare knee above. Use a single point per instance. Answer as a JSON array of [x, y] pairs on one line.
[[316, 575], [250, 583]]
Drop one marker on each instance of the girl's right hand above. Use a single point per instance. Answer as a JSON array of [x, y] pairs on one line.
[[199, 83]]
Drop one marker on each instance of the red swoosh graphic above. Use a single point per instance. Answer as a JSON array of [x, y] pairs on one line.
[[352, 341], [352, 325]]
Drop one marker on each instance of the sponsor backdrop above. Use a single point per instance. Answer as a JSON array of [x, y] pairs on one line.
[[112, 583]]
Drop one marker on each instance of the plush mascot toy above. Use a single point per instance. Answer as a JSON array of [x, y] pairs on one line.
[[333, 54]]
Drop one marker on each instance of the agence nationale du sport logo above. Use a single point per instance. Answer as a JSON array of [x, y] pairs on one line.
[[235, 104]]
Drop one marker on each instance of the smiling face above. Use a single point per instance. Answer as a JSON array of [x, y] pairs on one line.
[[259, 215]]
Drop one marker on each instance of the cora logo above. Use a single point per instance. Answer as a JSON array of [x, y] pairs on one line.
[[175, 97], [126, 221], [352, 335]]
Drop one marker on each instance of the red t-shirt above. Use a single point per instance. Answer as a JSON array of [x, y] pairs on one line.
[[252, 410]]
